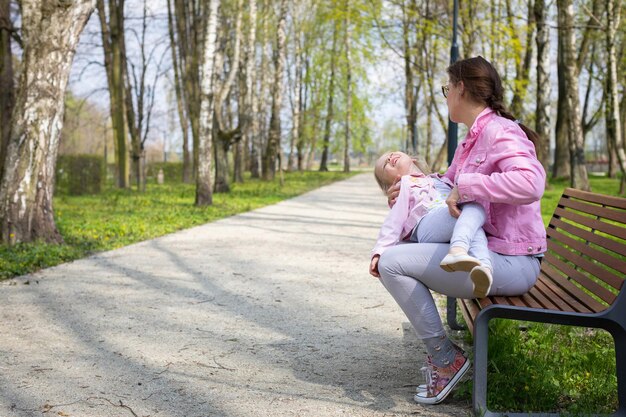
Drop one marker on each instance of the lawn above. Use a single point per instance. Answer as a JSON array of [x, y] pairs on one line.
[[116, 218]]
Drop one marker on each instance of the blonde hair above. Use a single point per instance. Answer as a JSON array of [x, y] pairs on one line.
[[419, 162]]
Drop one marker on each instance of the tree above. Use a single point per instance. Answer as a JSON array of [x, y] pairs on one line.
[[178, 39], [204, 186], [542, 118], [139, 96], [329, 104], [225, 136], [576, 145], [113, 43], [249, 122], [50, 34], [347, 45], [614, 132], [273, 140], [7, 84]]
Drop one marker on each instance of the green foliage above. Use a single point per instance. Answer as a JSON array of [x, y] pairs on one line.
[[541, 367], [116, 218], [79, 174]]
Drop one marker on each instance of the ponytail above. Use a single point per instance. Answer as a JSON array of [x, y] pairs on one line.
[[499, 108]]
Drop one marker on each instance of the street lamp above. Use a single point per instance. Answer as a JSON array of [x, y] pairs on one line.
[[454, 56], [452, 143]]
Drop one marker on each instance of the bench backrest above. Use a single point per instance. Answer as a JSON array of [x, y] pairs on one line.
[[586, 255]]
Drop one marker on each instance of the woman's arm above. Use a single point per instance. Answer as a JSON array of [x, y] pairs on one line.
[[516, 177]]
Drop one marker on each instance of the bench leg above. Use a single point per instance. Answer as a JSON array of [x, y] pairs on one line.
[[451, 315], [620, 369], [481, 346]]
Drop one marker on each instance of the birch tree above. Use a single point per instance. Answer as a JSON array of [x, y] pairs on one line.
[[226, 136], [204, 165], [576, 145], [614, 134], [49, 37], [246, 114]]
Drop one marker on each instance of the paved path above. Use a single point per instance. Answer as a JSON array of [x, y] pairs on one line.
[[268, 313]]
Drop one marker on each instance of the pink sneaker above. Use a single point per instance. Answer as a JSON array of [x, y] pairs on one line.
[[441, 381]]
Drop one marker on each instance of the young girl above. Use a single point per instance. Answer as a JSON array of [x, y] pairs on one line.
[[422, 195]]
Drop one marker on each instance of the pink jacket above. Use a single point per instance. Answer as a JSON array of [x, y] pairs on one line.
[[496, 166], [417, 197]]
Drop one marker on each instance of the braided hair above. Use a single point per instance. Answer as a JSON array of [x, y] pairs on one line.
[[483, 84]]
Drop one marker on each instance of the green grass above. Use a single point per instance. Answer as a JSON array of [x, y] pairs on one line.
[[551, 368], [117, 218]]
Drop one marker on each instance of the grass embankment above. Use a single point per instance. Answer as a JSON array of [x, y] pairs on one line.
[[117, 218], [550, 368]]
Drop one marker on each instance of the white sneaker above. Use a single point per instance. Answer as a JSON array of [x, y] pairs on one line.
[[461, 262], [482, 279]]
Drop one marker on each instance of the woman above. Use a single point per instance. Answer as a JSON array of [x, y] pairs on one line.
[[496, 167]]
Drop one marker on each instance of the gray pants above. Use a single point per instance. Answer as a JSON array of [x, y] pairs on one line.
[[466, 231], [409, 271]]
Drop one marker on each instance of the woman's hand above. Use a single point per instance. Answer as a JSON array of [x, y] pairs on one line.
[[374, 266], [393, 191], [452, 202]]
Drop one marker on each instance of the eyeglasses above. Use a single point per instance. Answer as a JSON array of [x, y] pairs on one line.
[[444, 90]]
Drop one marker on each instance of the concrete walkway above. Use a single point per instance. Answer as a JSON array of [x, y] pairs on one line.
[[268, 313]]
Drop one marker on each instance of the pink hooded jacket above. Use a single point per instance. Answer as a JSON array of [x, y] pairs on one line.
[[496, 166]]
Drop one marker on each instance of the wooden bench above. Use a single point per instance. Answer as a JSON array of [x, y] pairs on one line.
[[580, 284]]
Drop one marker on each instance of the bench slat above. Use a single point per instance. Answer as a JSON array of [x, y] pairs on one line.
[[609, 200], [576, 298], [575, 274], [602, 241], [591, 267], [562, 298], [609, 229], [599, 211]]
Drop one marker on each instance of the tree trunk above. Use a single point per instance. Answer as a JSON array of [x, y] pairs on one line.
[[256, 153], [347, 41], [225, 135], [410, 92], [50, 34], [294, 147], [329, 107], [7, 85], [248, 122], [577, 155], [204, 187], [112, 43], [542, 117], [522, 78], [561, 166], [180, 100], [614, 134], [273, 140]]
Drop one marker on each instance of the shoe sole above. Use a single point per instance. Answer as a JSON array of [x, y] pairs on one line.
[[444, 393], [482, 283], [465, 266]]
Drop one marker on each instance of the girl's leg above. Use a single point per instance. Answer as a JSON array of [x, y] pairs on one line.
[[467, 226]]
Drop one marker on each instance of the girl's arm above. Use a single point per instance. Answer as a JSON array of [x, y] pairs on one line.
[[391, 230]]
